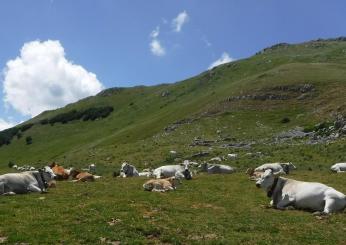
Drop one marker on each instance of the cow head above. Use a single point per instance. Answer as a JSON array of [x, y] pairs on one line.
[[266, 181], [288, 165], [126, 168], [47, 174]]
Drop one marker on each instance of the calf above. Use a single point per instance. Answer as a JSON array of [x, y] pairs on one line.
[[301, 195], [161, 185], [82, 176], [339, 167]]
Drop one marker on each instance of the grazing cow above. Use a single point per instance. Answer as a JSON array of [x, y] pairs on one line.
[[82, 176], [253, 175], [283, 168], [161, 185], [339, 167], [179, 171], [301, 195], [25, 182], [59, 171], [216, 168], [128, 170]]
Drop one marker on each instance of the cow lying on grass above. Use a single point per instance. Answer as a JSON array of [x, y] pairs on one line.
[[216, 168], [313, 196], [161, 185], [339, 167], [128, 170], [282, 168], [60, 172], [178, 171], [25, 182], [82, 176]]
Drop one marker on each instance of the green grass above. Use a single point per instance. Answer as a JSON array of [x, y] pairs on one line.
[[216, 209], [209, 209]]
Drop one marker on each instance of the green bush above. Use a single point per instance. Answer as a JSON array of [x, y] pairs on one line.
[[28, 140]]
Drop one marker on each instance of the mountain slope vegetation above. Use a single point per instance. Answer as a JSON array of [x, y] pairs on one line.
[[239, 107]]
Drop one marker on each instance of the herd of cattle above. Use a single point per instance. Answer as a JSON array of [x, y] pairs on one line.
[[284, 193]]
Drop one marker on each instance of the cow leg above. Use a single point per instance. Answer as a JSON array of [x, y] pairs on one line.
[[2, 188], [285, 202], [33, 188], [333, 205]]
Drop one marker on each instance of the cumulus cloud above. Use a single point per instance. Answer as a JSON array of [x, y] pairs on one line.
[[225, 58], [41, 78], [156, 47], [4, 124], [179, 21]]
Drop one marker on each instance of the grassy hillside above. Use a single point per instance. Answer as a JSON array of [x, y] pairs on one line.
[[134, 131]]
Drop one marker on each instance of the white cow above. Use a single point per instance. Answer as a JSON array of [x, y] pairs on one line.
[[179, 171], [339, 167], [301, 195], [25, 182], [232, 156], [128, 170], [148, 172], [216, 168], [283, 168]]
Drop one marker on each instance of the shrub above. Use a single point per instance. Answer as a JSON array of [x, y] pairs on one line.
[[88, 114], [28, 140], [7, 135], [44, 121], [285, 120], [26, 127]]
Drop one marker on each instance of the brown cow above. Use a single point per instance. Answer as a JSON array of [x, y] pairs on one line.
[[82, 176], [161, 185], [59, 171]]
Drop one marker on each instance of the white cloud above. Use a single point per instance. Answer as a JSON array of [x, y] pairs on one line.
[[156, 48], [225, 58], [4, 124], [155, 33], [41, 78], [179, 21]]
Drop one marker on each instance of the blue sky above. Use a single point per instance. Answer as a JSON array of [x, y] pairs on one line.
[[112, 40]]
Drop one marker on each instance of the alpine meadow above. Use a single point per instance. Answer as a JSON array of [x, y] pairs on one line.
[[286, 103]]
